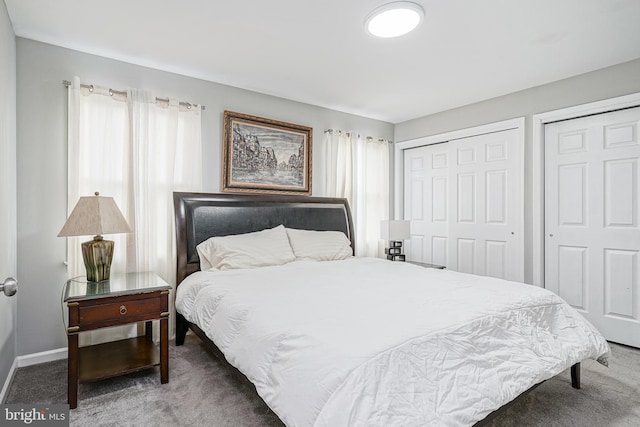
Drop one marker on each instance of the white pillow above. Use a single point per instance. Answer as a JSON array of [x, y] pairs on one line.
[[319, 245], [250, 250]]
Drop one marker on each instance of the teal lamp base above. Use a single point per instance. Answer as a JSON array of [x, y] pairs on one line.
[[97, 255]]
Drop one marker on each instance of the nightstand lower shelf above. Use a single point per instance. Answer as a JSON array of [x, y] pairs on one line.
[[112, 359]]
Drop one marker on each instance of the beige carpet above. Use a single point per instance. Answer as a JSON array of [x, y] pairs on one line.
[[201, 392]]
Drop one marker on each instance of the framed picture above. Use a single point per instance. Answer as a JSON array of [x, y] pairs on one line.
[[265, 156]]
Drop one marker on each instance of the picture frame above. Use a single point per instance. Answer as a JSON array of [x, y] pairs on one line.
[[261, 155]]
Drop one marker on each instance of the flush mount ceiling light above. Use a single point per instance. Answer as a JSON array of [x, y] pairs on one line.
[[394, 19]]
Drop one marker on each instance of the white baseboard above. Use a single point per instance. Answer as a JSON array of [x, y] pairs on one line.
[[7, 382], [42, 357], [31, 359]]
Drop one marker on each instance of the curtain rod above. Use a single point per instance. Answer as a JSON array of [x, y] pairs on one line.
[[67, 83], [338, 131], [368, 138]]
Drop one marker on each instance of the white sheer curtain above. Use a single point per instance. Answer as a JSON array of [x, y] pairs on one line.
[[357, 168], [98, 160], [371, 194], [138, 151], [337, 153], [165, 142]]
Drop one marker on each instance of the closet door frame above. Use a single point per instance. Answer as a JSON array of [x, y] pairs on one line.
[[399, 147], [539, 122]]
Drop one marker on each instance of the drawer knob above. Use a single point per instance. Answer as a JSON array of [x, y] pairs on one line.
[[123, 310]]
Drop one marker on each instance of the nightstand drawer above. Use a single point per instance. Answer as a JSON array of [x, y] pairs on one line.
[[124, 310]]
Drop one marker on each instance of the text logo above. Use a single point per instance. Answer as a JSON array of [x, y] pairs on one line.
[[37, 415]]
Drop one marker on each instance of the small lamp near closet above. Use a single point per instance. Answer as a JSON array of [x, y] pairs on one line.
[[395, 231], [96, 215]]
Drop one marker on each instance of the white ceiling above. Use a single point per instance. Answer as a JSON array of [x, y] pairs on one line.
[[317, 51]]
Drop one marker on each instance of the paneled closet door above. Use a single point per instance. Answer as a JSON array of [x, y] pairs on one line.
[[485, 201], [463, 199], [426, 203], [592, 219]]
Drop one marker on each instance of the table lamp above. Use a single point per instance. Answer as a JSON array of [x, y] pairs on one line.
[[96, 215], [395, 231]]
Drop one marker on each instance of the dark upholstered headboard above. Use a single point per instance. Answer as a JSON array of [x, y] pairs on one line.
[[200, 216]]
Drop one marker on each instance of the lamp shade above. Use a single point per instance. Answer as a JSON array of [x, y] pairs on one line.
[[395, 230], [95, 215]]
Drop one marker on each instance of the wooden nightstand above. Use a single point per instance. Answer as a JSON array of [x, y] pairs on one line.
[[427, 265], [124, 299]]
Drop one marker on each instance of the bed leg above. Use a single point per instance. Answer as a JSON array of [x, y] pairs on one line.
[[182, 326], [575, 376]]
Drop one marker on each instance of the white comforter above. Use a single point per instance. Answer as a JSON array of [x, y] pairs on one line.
[[367, 342]]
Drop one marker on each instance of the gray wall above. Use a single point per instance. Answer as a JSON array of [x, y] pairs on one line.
[[7, 189], [622, 79], [42, 159]]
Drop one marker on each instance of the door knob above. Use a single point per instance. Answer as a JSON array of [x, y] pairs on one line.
[[9, 287]]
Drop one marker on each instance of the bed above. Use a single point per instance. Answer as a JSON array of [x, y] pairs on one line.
[[364, 341]]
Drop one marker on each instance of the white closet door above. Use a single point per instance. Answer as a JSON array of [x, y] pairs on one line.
[[426, 203], [592, 219], [463, 199], [486, 204]]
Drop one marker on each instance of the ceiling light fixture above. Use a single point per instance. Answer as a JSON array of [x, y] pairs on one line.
[[394, 19]]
